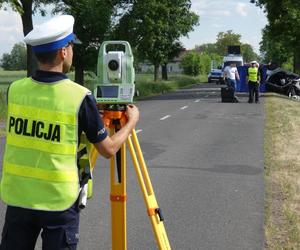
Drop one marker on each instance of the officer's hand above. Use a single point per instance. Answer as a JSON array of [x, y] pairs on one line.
[[132, 113]]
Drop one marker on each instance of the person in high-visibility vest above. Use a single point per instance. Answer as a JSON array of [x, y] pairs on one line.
[[253, 79], [47, 113]]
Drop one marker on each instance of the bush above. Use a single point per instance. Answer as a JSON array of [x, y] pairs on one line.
[[191, 64], [194, 64], [205, 64], [147, 87]]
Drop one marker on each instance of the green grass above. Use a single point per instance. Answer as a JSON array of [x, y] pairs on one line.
[[282, 172], [147, 87], [10, 76]]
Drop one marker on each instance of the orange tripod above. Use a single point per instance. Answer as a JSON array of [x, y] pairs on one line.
[[114, 118]]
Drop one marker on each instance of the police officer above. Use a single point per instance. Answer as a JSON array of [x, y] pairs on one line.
[[46, 115], [253, 79]]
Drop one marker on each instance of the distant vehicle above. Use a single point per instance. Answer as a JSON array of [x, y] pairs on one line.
[[283, 82], [215, 75], [233, 57]]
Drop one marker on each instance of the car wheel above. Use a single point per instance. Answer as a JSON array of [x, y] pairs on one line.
[[291, 92]]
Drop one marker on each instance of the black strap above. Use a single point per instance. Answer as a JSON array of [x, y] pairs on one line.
[[81, 153], [85, 176]]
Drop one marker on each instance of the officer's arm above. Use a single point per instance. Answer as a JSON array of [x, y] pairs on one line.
[[91, 123], [110, 145]]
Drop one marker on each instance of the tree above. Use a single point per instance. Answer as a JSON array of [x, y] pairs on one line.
[[16, 60], [191, 63], [248, 53], [273, 49], [154, 26], [224, 39], [174, 51], [6, 62], [26, 8], [282, 33], [217, 50], [209, 48], [93, 21], [205, 63]]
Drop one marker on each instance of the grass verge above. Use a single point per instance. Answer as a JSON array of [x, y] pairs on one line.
[[282, 172], [147, 87]]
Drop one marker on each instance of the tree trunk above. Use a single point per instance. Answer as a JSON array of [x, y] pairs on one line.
[[79, 77], [156, 71], [164, 72], [26, 17]]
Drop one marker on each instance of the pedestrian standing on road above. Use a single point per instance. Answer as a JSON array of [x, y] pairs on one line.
[[253, 79], [231, 75], [46, 115]]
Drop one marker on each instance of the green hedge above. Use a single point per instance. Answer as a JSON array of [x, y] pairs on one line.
[[146, 86]]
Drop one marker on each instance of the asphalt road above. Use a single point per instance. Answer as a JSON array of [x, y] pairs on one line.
[[205, 160]]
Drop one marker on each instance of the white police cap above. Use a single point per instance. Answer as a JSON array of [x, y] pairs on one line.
[[52, 35]]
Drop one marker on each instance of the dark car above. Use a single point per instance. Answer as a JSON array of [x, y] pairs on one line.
[[283, 82]]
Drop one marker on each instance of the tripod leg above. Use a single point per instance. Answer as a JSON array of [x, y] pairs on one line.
[[153, 210], [118, 200]]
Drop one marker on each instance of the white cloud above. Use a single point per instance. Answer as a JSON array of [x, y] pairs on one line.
[[216, 25], [242, 9], [10, 29], [210, 8]]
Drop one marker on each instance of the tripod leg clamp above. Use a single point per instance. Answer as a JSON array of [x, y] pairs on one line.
[[118, 198], [156, 211]]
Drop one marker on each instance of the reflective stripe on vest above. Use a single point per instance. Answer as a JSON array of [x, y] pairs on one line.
[[253, 72], [40, 164]]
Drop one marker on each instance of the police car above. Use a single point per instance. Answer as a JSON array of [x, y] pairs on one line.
[[215, 75]]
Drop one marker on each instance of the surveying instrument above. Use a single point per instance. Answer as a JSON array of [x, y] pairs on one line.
[[114, 89]]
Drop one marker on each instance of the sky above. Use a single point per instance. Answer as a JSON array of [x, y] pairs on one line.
[[215, 16]]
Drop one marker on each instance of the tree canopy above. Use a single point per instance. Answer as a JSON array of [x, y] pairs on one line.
[[93, 21], [224, 39], [16, 60], [26, 8], [281, 36], [154, 27]]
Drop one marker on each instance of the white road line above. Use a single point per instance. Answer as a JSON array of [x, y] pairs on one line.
[[184, 107], [207, 96], [197, 100], [165, 117], [138, 131]]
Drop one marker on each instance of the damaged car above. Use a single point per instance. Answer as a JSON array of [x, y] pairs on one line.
[[283, 82]]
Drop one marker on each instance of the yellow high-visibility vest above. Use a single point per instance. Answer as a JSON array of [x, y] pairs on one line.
[[253, 74], [40, 160]]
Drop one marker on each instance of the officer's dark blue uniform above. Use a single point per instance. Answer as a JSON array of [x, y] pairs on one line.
[[60, 230]]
